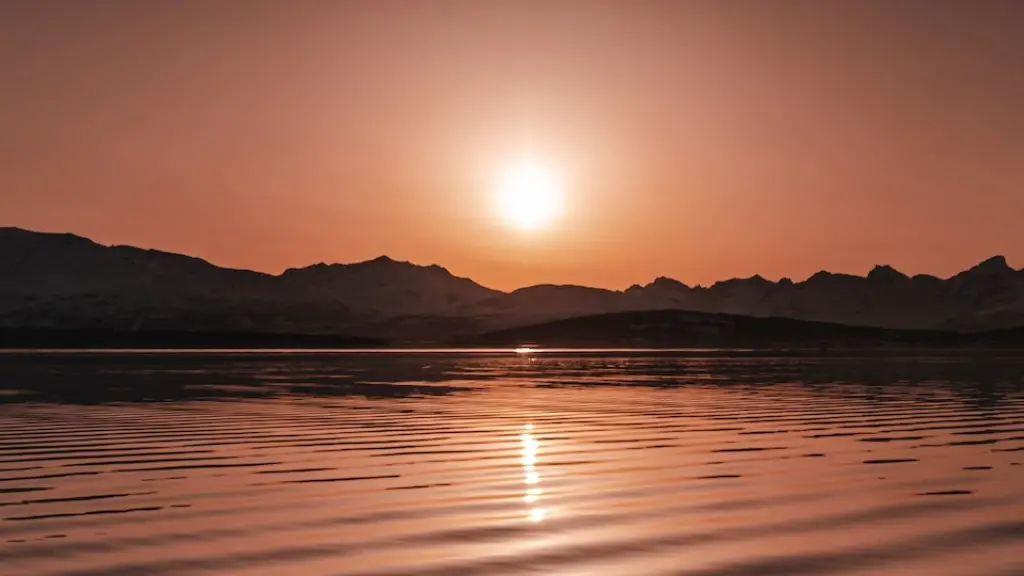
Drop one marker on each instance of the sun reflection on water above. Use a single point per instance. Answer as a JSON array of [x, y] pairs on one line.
[[531, 476]]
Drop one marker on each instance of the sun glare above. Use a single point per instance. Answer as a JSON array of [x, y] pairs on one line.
[[529, 196]]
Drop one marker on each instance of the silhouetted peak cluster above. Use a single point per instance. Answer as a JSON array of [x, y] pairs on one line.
[[378, 264], [64, 280]]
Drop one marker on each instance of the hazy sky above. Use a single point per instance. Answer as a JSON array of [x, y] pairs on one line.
[[698, 140]]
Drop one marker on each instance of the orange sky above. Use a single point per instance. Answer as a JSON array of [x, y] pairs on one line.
[[698, 140]]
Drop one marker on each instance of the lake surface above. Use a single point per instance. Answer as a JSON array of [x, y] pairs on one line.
[[503, 463]]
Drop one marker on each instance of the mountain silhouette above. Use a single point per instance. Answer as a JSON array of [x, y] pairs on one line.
[[66, 281]]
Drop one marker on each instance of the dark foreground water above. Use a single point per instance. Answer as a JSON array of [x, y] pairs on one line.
[[611, 463]]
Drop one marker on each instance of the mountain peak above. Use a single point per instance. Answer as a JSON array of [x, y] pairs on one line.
[[666, 282], [382, 259], [994, 263], [820, 275], [886, 273]]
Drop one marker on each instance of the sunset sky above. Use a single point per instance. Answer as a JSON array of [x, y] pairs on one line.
[[699, 140]]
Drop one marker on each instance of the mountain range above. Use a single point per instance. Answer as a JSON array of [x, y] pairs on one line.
[[66, 281]]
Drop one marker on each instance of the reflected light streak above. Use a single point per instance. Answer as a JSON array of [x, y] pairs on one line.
[[531, 476]]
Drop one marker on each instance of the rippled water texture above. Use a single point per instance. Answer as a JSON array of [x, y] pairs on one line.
[[613, 463]]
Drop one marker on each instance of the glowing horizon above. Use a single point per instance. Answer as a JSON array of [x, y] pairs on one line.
[[691, 140]]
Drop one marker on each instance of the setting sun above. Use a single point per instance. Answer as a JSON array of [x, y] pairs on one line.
[[529, 196]]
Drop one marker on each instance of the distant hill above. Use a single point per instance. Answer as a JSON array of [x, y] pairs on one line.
[[676, 328], [63, 281]]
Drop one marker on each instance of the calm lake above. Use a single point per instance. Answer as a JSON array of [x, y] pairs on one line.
[[502, 463]]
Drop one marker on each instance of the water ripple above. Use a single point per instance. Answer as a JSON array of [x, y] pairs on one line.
[[464, 463]]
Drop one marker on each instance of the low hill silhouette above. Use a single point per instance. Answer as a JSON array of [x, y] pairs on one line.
[[675, 328]]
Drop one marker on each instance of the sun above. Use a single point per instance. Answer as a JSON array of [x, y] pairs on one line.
[[529, 196]]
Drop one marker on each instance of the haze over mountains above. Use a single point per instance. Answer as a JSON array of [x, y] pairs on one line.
[[66, 281]]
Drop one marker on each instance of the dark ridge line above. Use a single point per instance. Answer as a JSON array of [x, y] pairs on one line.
[[366, 449], [22, 469], [198, 467], [892, 438], [47, 476], [750, 449], [357, 443], [89, 513], [628, 440], [151, 461], [148, 461], [573, 463], [965, 443], [22, 490], [206, 425], [430, 452], [294, 471], [105, 455], [987, 431], [347, 479], [420, 486], [946, 493], [76, 498], [69, 453]]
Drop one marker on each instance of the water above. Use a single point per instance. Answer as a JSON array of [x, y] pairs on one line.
[[502, 463]]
